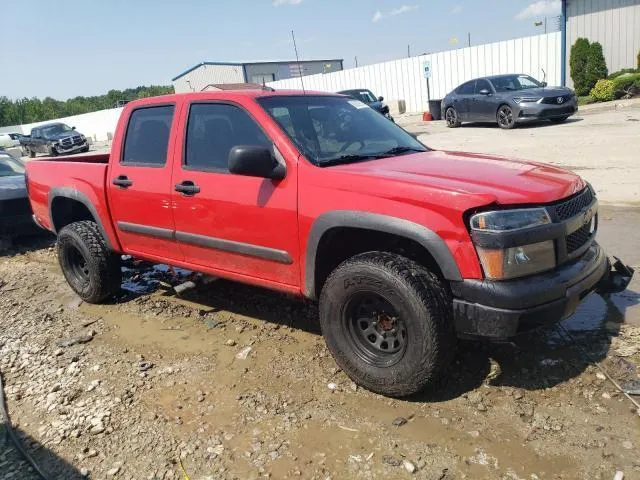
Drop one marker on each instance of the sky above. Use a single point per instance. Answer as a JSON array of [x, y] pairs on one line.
[[66, 48]]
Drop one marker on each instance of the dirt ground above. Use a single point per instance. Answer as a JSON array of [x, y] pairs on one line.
[[234, 382], [165, 380]]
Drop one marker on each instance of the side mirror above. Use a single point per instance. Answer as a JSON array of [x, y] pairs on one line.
[[484, 91], [255, 161], [380, 99], [73, 128], [544, 84]]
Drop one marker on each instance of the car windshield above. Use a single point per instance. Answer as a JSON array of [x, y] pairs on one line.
[[56, 129], [510, 83], [363, 95], [10, 167], [332, 130]]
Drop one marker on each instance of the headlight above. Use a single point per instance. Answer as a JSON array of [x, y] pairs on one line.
[[519, 100], [507, 220], [506, 263]]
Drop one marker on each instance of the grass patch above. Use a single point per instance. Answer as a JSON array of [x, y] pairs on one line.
[[586, 100]]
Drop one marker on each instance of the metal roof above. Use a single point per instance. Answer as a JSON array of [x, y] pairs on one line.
[[242, 64]]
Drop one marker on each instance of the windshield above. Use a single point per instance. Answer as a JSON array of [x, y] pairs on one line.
[[10, 167], [53, 130], [363, 95], [330, 130], [510, 83]]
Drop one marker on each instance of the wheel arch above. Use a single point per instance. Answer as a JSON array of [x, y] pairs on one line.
[[433, 246], [68, 205]]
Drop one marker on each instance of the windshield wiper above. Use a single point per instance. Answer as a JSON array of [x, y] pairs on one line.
[[398, 150], [349, 158]]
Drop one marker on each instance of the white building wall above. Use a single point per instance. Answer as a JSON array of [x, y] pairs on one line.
[[403, 79], [98, 125], [613, 23], [197, 79]]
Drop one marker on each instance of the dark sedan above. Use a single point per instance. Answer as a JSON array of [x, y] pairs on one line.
[[508, 100], [15, 211], [367, 96]]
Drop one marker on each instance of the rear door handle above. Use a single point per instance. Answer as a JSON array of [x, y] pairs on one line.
[[187, 188], [122, 181]]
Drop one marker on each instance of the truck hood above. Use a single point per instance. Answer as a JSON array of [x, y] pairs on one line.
[[497, 179], [61, 135], [12, 187]]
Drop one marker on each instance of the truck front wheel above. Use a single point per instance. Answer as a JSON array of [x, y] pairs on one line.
[[90, 267], [388, 323]]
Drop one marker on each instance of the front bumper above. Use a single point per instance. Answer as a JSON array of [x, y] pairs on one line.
[[501, 310], [71, 149], [541, 111]]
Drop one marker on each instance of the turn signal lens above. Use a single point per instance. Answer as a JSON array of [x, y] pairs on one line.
[[503, 264]]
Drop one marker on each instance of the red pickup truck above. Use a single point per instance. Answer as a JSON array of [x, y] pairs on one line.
[[318, 195]]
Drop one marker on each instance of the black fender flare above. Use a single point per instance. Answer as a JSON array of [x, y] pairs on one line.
[[430, 240], [73, 194]]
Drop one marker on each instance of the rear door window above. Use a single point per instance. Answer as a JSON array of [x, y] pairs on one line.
[[466, 88], [147, 136]]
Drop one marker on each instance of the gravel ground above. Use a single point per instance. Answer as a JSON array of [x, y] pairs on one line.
[[235, 382]]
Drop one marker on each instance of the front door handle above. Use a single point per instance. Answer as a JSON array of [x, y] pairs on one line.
[[187, 188], [122, 181]]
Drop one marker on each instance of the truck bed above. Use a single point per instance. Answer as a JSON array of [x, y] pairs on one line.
[[77, 176], [78, 158]]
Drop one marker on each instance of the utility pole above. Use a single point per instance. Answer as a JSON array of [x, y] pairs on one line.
[[469, 39], [408, 51], [545, 24], [356, 62]]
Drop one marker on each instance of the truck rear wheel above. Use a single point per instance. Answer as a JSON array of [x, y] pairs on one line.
[[91, 269], [388, 323]]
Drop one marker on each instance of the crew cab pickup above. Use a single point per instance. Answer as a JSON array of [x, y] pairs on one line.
[[317, 195], [54, 139]]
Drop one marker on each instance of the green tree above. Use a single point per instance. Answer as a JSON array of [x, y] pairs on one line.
[[27, 110], [578, 60], [596, 65]]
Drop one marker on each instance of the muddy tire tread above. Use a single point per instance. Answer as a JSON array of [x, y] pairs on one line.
[[426, 288]]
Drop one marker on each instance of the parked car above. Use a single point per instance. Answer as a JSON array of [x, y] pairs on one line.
[[9, 140], [508, 100], [367, 97], [15, 212], [54, 139], [314, 195]]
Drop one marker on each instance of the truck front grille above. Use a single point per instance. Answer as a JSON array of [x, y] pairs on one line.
[[578, 238], [573, 206]]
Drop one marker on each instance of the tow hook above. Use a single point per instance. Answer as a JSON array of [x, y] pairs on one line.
[[616, 279]]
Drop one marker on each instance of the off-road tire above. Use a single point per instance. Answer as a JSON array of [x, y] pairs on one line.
[[422, 302], [103, 273]]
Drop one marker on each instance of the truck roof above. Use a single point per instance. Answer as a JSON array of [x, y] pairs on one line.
[[226, 95]]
